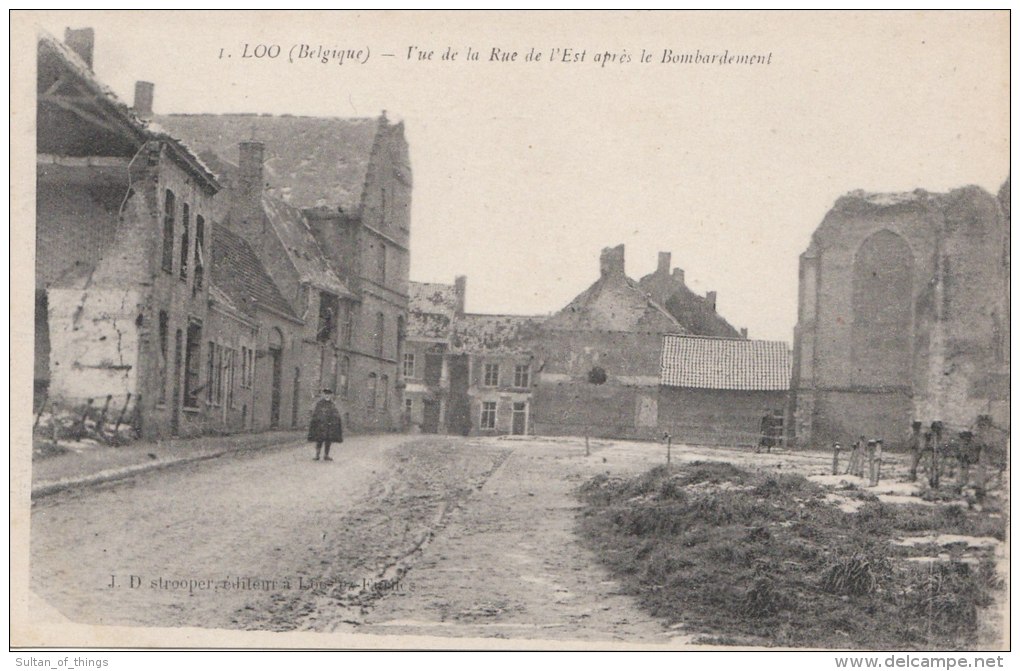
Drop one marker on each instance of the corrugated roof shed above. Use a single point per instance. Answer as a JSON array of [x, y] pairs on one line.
[[725, 363], [239, 274]]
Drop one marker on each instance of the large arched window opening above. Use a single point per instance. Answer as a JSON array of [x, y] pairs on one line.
[[882, 318]]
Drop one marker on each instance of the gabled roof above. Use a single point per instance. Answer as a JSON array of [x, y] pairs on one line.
[[494, 334], [309, 161], [103, 101], [238, 273], [725, 363], [308, 259], [614, 303]]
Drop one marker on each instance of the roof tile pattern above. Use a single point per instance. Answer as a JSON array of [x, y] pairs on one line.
[[725, 363]]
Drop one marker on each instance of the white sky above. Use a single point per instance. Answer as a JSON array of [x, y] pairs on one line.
[[524, 171]]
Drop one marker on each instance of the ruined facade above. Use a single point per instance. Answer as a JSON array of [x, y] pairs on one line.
[[903, 315], [466, 374], [123, 227], [216, 293], [697, 314]]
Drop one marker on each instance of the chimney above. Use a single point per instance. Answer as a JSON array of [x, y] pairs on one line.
[[710, 297], [144, 93], [743, 333], [663, 269], [459, 292], [611, 261], [678, 275], [248, 203], [81, 41]]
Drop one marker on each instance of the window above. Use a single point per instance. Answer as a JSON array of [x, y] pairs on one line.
[[328, 308], [164, 328], [409, 364], [345, 374], [347, 324], [186, 221], [219, 378], [408, 407], [199, 254], [192, 363], [231, 368], [211, 373], [522, 375], [488, 415], [385, 392], [168, 232], [382, 263], [244, 366], [491, 375], [371, 391], [380, 327]]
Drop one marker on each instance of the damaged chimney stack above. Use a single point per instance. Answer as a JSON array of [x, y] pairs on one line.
[[459, 292], [81, 41], [611, 261], [664, 259], [144, 93], [678, 275], [710, 297]]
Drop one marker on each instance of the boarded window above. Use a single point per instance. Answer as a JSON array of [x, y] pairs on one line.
[[380, 334], [185, 243], [164, 334], [371, 391], [199, 254], [168, 231], [192, 364], [385, 389]]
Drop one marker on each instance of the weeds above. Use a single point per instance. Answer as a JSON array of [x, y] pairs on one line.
[[764, 560]]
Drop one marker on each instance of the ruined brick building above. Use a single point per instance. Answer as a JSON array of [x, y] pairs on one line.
[[466, 373], [220, 292], [903, 315], [123, 227], [512, 374]]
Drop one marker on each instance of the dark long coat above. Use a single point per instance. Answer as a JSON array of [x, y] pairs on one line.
[[325, 424]]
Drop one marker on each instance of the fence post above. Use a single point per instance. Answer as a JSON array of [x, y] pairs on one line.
[[102, 415], [79, 430], [120, 417]]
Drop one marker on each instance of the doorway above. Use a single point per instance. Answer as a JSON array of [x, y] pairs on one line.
[[175, 402], [519, 426], [430, 416], [276, 359]]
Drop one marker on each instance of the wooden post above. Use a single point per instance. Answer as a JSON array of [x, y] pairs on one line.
[[120, 417], [102, 415], [79, 430], [42, 409], [669, 448]]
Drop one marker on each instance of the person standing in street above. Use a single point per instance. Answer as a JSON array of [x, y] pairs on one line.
[[325, 427]]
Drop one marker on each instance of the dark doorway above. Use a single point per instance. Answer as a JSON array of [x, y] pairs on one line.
[[276, 358], [519, 427], [433, 369], [430, 416], [175, 402]]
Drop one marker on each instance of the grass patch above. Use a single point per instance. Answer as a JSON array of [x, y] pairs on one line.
[[763, 559]]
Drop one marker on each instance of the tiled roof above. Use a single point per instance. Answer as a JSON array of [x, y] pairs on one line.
[[509, 334], [725, 363], [614, 303], [295, 235], [309, 161], [239, 274]]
